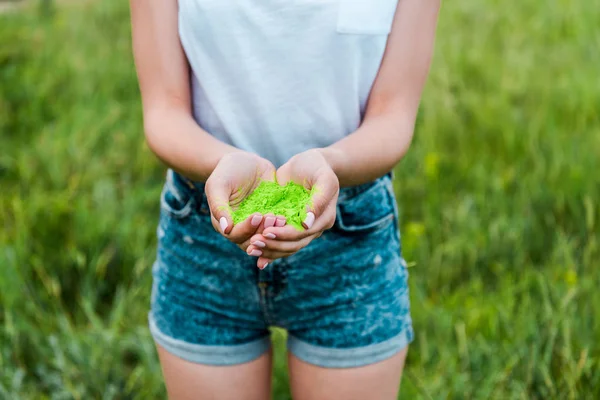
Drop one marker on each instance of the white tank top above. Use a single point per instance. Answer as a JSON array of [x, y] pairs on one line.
[[278, 77]]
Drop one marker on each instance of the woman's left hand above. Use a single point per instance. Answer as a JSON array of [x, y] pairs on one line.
[[312, 170]]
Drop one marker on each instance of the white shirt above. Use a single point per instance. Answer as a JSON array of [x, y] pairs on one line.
[[278, 77]]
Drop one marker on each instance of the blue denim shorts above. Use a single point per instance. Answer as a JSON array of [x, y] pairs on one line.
[[343, 299]]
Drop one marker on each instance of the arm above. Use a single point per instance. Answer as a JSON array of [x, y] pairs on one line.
[[171, 131], [163, 74], [377, 145], [387, 129]]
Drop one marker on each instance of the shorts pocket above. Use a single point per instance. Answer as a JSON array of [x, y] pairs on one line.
[[176, 201], [366, 212], [367, 17]]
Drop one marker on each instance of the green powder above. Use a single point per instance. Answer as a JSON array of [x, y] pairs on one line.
[[270, 197]]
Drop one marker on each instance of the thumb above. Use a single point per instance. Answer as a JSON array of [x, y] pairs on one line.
[[217, 194], [324, 190]]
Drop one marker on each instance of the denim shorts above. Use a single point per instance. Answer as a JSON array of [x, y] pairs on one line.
[[343, 299]]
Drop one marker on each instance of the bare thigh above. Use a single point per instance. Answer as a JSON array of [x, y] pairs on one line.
[[190, 381], [379, 381]]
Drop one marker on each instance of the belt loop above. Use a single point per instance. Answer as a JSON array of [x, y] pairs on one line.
[[175, 175], [188, 182]]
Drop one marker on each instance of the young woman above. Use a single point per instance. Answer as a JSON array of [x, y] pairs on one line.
[[324, 93]]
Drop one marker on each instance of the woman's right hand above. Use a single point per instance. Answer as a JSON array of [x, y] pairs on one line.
[[236, 175]]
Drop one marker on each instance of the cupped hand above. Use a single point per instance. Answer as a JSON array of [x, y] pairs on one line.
[[235, 177], [311, 170]]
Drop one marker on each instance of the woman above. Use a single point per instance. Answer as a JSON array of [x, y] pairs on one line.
[[324, 93]]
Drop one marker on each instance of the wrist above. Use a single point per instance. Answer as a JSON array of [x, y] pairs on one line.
[[218, 157], [229, 153], [335, 158]]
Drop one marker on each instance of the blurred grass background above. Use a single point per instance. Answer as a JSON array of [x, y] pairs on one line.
[[499, 198]]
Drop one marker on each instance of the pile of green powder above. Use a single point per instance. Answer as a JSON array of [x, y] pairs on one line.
[[270, 197]]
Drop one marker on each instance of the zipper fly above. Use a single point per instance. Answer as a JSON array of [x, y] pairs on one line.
[[264, 300]]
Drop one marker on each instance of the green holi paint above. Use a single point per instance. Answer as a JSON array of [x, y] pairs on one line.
[[289, 201]]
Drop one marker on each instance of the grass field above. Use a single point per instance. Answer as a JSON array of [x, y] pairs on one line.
[[499, 196]]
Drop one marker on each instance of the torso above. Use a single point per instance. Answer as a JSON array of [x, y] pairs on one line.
[[277, 77]]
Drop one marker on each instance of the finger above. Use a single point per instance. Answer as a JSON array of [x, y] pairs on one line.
[[284, 249], [327, 219], [217, 194], [325, 191], [286, 233], [256, 239], [281, 220], [270, 221], [263, 262], [266, 245], [266, 253], [262, 252], [215, 224], [254, 251], [275, 255], [259, 241], [245, 229], [290, 233]]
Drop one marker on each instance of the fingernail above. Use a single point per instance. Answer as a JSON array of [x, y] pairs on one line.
[[258, 243], [223, 223], [280, 222], [255, 253], [264, 266], [270, 235], [256, 220], [269, 222], [309, 220]]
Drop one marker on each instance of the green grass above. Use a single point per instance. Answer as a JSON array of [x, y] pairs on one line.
[[499, 198]]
